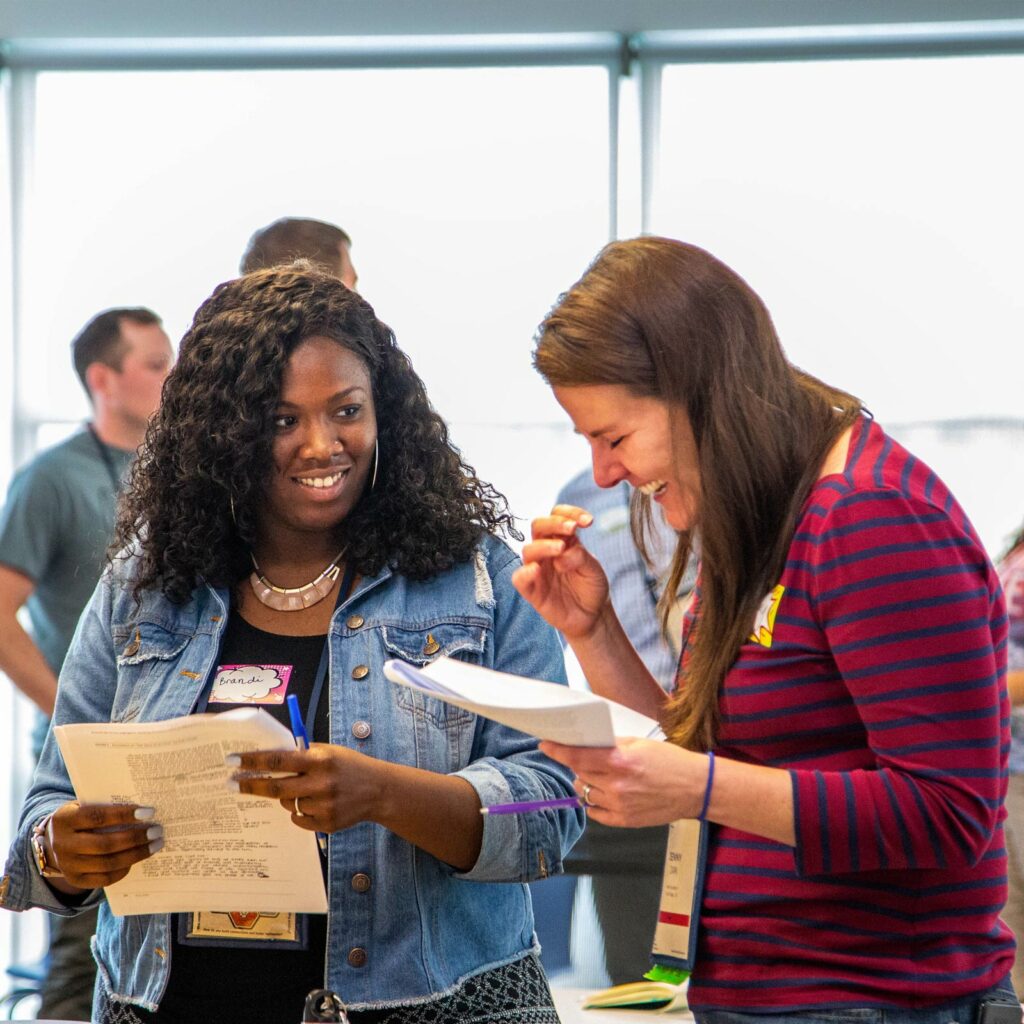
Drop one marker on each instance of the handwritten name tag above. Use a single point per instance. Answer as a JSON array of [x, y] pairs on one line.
[[250, 684]]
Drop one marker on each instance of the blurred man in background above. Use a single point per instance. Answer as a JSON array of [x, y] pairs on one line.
[[54, 532], [292, 238]]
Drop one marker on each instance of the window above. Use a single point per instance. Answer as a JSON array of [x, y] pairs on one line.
[[876, 207], [473, 196]]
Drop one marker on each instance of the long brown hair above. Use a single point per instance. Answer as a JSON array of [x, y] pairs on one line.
[[669, 321]]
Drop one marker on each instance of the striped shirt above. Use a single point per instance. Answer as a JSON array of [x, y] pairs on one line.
[[878, 680]]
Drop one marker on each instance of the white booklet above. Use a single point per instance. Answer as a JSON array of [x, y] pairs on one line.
[[549, 711], [222, 850]]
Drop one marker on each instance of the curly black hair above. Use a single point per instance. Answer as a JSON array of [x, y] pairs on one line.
[[191, 507]]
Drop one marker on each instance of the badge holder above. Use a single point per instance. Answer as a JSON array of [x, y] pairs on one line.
[[682, 889]]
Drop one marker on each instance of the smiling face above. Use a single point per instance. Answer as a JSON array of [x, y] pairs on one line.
[[643, 441], [323, 451]]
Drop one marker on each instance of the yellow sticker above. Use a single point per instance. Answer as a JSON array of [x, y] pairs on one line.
[[764, 620]]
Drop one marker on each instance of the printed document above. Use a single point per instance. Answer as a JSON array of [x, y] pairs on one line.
[[546, 710], [222, 850]]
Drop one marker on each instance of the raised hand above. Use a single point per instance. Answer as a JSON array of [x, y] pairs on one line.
[[559, 577]]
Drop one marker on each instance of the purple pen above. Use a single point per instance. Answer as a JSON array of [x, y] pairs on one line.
[[532, 805]]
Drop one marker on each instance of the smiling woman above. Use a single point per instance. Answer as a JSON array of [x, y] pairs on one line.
[[841, 714], [298, 515]]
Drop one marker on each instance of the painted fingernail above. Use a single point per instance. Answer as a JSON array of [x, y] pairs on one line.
[[233, 761], [233, 786], [156, 845], [144, 813], [155, 832]]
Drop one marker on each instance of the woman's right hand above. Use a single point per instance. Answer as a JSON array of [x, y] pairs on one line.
[[96, 845], [559, 577]]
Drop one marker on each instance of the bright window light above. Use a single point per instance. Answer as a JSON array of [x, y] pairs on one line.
[[876, 206]]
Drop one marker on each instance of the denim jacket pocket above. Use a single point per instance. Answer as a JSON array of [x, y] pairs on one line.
[[140, 646], [421, 645]]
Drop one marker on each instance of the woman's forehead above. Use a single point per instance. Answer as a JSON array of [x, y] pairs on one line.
[[322, 359]]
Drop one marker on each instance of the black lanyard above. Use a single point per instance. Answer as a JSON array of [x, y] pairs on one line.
[[108, 462]]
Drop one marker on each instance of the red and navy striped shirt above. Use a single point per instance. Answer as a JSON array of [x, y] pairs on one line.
[[879, 684]]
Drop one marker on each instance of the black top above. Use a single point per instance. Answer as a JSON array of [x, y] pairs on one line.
[[234, 980]]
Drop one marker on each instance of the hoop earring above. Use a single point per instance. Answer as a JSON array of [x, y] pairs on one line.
[[231, 505], [376, 462]]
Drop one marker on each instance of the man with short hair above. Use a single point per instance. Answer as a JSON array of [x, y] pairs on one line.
[[54, 532], [292, 238]]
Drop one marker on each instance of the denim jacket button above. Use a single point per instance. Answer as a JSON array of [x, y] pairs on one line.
[[360, 672], [357, 956], [361, 882], [354, 621], [133, 646], [361, 730]]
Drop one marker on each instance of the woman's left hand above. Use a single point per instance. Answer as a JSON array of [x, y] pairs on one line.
[[329, 788], [637, 782]]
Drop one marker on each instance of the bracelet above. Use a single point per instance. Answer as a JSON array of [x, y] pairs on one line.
[[703, 816], [43, 858]]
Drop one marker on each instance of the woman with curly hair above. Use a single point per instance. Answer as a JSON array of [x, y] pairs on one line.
[[298, 505]]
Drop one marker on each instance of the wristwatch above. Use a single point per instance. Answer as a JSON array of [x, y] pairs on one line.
[[45, 868]]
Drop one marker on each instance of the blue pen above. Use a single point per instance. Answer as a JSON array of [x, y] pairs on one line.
[[302, 742]]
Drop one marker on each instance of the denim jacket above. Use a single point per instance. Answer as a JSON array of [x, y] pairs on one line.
[[421, 926]]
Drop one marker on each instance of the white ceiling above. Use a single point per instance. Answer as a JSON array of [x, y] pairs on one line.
[[68, 19]]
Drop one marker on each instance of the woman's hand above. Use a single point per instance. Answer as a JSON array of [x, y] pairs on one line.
[[335, 788], [559, 577], [653, 782], [96, 845], [331, 786], [637, 782]]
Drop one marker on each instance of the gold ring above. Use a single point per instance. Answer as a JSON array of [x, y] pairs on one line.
[[298, 813], [587, 787]]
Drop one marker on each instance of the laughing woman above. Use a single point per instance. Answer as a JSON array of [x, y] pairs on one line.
[[842, 716], [298, 496]]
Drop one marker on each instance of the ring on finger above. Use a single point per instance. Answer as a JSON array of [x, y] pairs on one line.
[[587, 787], [298, 811]]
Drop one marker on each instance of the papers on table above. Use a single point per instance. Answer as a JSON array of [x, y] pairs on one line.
[[222, 850], [545, 710], [646, 995]]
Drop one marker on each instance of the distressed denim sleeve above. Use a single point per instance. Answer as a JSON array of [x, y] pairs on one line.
[[85, 694], [507, 766]]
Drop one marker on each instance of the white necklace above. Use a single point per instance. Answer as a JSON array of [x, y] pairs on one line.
[[294, 599]]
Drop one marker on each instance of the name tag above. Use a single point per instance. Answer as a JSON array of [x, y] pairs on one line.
[[250, 684], [242, 929], [682, 888]]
